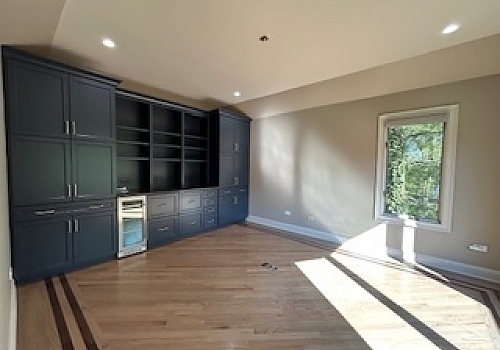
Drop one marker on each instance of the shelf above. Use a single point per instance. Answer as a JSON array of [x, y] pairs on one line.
[[131, 128], [167, 160], [195, 160], [134, 143], [193, 148], [164, 145], [133, 158], [167, 133]]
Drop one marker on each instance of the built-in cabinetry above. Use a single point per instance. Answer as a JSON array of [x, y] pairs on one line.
[[61, 159], [75, 143], [160, 146], [230, 164]]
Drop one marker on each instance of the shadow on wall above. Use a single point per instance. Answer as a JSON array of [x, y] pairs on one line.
[[318, 177]]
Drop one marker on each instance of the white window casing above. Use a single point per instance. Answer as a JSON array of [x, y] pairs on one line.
[[448, 114]]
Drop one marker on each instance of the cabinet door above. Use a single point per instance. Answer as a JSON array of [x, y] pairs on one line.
[[92, 109], [42, 247], [226, 210], [93, 170], [94, 237], [226, 171], [36, 100], [40, 171], [226, 135]]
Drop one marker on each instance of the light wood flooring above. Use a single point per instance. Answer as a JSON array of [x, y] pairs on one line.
[[244, 287]]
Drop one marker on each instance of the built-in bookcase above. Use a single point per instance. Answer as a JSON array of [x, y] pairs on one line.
[[160, 146]]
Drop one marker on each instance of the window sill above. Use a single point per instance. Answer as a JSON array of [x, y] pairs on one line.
[[419, 225]]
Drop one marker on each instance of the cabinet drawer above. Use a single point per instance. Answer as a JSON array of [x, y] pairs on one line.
[[162, 205], [160, 231], [210, 202], [210, 211], [191, 223], [211, 193], [210, 221], [190, 200]]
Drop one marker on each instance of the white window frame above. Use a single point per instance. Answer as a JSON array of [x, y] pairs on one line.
[[448, 114]]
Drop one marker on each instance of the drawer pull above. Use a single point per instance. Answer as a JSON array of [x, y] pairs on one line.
[[166, 228], [45, 212], [94, 207]]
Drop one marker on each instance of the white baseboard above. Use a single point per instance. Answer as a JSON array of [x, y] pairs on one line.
[[304, 231], [13, 317], [430, 261]]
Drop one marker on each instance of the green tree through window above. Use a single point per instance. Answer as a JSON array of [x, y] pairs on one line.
[[413, 174]]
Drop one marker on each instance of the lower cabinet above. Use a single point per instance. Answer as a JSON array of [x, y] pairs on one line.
[[162, 230], [233, 205], [56, 240]]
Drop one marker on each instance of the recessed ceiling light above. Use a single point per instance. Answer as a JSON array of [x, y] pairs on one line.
[[108, 42], [237, 94], [450, 28]]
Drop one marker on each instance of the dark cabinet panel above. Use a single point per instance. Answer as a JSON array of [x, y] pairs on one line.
[[40, 171], [36, 100], [94, 237], [42, 247], [162, 205], [161, 231], [226, 136], [191, 200], [92, 108], [93, 170], [226, 171], [191, 223]]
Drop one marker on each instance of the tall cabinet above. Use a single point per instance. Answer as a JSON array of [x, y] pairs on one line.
[[230, 164], [61, 154]]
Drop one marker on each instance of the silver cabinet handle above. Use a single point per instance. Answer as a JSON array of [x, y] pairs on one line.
[[66, 127], [75, 190], [77, 226], [94, 207], [70, 228], [166, 228], [73, 126], [45, 212]]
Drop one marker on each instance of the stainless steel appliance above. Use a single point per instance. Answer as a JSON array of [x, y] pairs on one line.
[[132, 229]]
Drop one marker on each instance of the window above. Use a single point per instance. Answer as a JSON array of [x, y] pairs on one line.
[[416, 167]]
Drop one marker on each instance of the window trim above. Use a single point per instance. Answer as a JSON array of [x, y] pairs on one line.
[[446, 113]]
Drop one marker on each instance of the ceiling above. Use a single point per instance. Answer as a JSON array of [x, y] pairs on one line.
[[206, 50]]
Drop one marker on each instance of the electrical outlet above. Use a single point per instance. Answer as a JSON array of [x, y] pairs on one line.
[[288, 213], [478, 247], [310, 218]]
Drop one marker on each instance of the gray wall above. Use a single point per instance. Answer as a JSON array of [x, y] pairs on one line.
[[5, 282], [321, 162]]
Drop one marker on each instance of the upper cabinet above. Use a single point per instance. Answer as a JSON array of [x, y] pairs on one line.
[[45, 99], [231, 150]]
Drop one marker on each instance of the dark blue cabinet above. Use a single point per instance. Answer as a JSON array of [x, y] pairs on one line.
[[230, 165]]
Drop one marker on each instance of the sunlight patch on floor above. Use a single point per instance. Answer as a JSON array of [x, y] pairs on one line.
[[454, 316]]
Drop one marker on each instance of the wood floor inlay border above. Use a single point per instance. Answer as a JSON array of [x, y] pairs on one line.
[[84, 328], [62, 328]]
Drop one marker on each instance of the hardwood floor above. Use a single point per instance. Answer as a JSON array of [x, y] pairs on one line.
[[244, 288]]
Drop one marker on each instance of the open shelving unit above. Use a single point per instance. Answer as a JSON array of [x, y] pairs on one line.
[[161, 146]]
